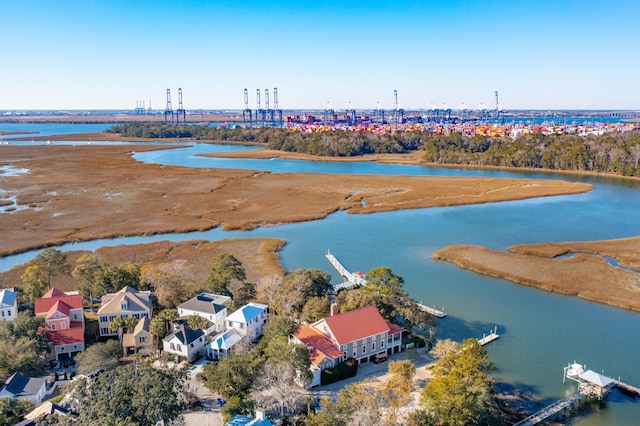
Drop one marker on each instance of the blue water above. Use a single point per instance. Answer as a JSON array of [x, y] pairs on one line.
[[541, 332], [49, 129]]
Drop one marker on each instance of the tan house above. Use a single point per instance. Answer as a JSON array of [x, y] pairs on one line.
[[128, 302], [139, 339]]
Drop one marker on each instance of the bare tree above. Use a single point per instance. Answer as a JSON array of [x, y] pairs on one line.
[[276, 388]]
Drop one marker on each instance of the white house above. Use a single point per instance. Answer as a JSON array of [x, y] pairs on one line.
[[185, 343], [22, 387], [222, 344], [8, 304], [248, 320], [206, 305]]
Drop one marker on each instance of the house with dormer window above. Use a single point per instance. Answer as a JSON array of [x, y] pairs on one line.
[[128, 302], [361, 334], [8, 304], [186, 343], [64, 316]]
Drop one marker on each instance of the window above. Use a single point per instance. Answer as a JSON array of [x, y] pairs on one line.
[[105, 331], [192, 345], [103, 319], [364, 349], [2, 313], [373, 346], [382, 344], [123, 306], [62, 326], [53, 326], [355, 354], [9, 313], [179, 348], [173, 348], [75, 316], [143, 339]]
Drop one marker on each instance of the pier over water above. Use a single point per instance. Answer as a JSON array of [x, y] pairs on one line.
[[590, 384], [356, 279]]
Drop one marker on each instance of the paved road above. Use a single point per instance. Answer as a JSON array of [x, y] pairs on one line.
[[210, 416]]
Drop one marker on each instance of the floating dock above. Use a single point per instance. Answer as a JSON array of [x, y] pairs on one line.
[[433, 311], [490, 337]]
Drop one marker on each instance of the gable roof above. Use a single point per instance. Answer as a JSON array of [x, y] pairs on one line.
[[240, 420], [225, 340], [353, 325], [205, 302], [61, 307], [47, 408], [186, 335], [20, 385], [142, 325], [7, 298], [53, 292], [247, 312], [137, 301], [42, 305], [319, 345]]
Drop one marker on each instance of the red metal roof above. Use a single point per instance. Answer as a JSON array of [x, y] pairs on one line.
[[65, 337], [61, 307], [320, 344], [54, 292], [356, 324], [42, 305]]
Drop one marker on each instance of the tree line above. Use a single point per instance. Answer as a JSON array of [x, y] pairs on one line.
[[615, 153]]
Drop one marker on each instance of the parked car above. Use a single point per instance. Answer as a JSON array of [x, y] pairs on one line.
[[69, 362]]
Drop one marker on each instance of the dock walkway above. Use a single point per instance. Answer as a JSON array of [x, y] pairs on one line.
[[356, 279], [550, 410]]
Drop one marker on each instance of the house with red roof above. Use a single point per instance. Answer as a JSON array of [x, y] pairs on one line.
[[64, 316], [361, 334]]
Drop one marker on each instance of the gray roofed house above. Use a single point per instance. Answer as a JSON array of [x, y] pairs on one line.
[[22, 387], [186, 343], [128, 302], [209, 306], [8, 304]]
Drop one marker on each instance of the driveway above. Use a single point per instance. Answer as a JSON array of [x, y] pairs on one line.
[[210, 415]]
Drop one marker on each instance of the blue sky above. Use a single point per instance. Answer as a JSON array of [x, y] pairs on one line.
[[107, 54]]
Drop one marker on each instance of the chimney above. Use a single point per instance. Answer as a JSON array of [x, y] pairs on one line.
[[335, 309], [260, 415]]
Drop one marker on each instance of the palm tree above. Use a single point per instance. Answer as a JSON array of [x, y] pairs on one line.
[[116, 324]]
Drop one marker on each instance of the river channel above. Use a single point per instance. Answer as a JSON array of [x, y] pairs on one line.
[[541, 332]]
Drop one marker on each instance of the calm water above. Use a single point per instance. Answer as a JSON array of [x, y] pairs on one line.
[[541, 332]]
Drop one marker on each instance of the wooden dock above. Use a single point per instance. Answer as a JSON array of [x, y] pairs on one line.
[[550, 410], [352, 280], [486, 339], [433, 311], [590, 384], [627, 388]]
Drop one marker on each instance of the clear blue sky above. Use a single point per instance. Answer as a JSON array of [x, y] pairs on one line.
[[541, 54]]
